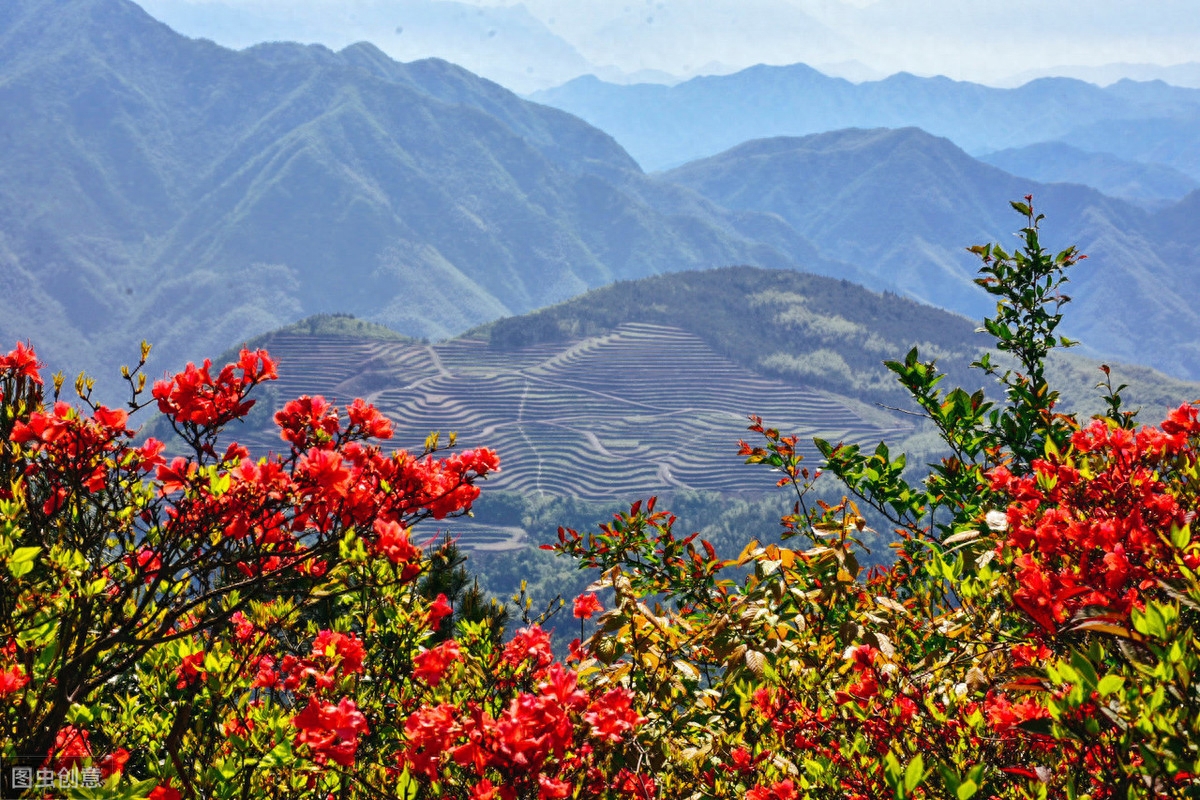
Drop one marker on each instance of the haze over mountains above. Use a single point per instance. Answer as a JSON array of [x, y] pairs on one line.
[[536, 44], [664, 126], [159, 187], [902, 202]]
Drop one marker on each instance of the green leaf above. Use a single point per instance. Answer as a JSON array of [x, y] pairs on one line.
[[1149, 622], [1109, 684], [967, 789], [1181, 537], [914, 774], [22, 560]]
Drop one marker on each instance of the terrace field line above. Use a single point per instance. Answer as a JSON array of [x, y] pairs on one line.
[[593, 440], [614, 398], [664, 474], [437, 362]]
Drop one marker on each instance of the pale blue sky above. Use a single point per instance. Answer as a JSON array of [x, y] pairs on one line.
[[540, 43]]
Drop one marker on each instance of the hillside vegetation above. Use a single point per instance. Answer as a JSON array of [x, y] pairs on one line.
[[643, 387], [904, 205], [164, 188]]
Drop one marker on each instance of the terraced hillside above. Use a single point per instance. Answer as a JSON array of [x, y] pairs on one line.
[[643, 408], [643, 387]]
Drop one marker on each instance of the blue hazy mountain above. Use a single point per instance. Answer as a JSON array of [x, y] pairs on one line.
[[903, 204], [664, 126], [1057, 162], [167, 188], [159, 187]]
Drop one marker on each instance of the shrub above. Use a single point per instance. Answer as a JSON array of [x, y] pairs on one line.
[[1035, 636], [221, 626]]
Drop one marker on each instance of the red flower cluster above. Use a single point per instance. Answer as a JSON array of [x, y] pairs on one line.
[[77, 451], [784, 790], [334, 655], [331, 731], [195, 397], [541, 741], [430, 665], [1092, 527], [190, 670], [184, 538], [21, 363], [587, 605]]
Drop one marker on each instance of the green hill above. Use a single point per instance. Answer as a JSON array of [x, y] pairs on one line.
[[643, 387], [164, 188], [904, 205]]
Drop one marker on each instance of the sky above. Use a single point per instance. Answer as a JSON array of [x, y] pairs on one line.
[[541, 43]]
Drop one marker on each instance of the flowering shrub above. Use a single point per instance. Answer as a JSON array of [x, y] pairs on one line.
[[1035, 637], [216, 625], [220, 626]]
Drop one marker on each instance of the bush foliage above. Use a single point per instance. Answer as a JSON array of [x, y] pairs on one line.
[[219, 626]]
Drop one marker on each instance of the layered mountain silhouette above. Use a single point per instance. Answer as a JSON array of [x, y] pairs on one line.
[[160, 187], [903, 204], [1057, 162], [664, 126]]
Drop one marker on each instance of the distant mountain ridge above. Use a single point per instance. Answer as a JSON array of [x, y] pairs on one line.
[[665, 126], [1058, 162], [163, 188]]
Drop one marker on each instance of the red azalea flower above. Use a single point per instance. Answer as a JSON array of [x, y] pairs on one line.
[[430, 665], [586, 605]]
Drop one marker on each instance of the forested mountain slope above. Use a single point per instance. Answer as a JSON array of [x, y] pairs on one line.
[[159, 187], [904, 205]]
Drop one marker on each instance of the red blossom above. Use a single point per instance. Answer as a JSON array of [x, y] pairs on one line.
[[113, 763], [392, 542], [190, 670], [367, 418], [195, 397], [430, 665], [307, 421], [12, 679], [587, 605], [530, 644], [611, 715], [326, 470], [439, 609], [22, 363], [71, 748], [784, 790], [331, 731], [346, 648], [635, 784]]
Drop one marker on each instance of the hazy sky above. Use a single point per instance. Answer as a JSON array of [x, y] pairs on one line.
[[544, 42]]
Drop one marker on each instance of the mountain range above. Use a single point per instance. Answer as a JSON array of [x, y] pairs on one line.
[[160, 187], [665, 126], [902, 203]]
